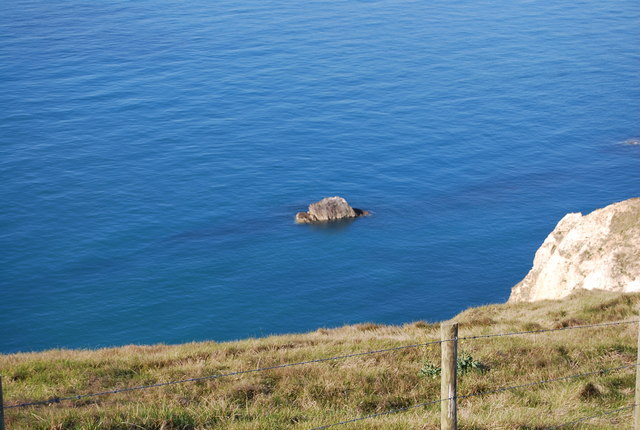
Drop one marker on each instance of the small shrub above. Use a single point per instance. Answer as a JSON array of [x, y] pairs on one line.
[[465, 364], [429, 370]]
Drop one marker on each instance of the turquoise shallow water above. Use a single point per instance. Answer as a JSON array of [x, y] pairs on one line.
[[153, 154]]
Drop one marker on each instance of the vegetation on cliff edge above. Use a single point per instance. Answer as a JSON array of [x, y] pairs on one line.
[[311, 395]]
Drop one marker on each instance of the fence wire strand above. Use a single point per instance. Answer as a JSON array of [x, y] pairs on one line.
[[217, 376], [320, 360], [611, 412], [545, 381], [485, 336], [483, 393]]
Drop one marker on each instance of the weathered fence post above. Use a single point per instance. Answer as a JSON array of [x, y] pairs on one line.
[[1, 407], [636, 409], [449, 348]]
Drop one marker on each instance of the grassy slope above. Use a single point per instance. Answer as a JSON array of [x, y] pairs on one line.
[[306, 396]]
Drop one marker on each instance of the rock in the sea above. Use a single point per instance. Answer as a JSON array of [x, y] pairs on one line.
[[329, 209], [597, 251]]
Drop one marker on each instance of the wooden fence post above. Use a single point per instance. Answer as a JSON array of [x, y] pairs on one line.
[[1, 407], [636, 409], [449, 365]]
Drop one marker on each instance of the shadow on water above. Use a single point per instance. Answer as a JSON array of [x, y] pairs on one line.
[[331, 227], [238, 227]]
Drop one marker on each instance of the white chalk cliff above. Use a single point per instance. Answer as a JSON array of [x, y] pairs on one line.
[[600, 250]]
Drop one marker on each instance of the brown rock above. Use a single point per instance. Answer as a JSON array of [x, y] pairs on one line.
[[305, 217], [329, 209]]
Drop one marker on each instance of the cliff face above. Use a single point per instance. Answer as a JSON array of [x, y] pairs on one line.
[[597, 251]]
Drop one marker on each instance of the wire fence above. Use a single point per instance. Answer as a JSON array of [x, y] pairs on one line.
[[216, 376], [483, 393], [591, 417], [378, 351], [517, 333]]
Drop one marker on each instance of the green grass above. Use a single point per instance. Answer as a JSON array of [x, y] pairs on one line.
[[303, 397]]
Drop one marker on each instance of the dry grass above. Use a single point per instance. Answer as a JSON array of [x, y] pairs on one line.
[[311, 395]]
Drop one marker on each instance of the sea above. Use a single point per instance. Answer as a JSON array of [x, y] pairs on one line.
[[153, 155]]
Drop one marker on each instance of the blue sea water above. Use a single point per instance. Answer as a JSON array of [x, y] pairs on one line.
[[153, 155]]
